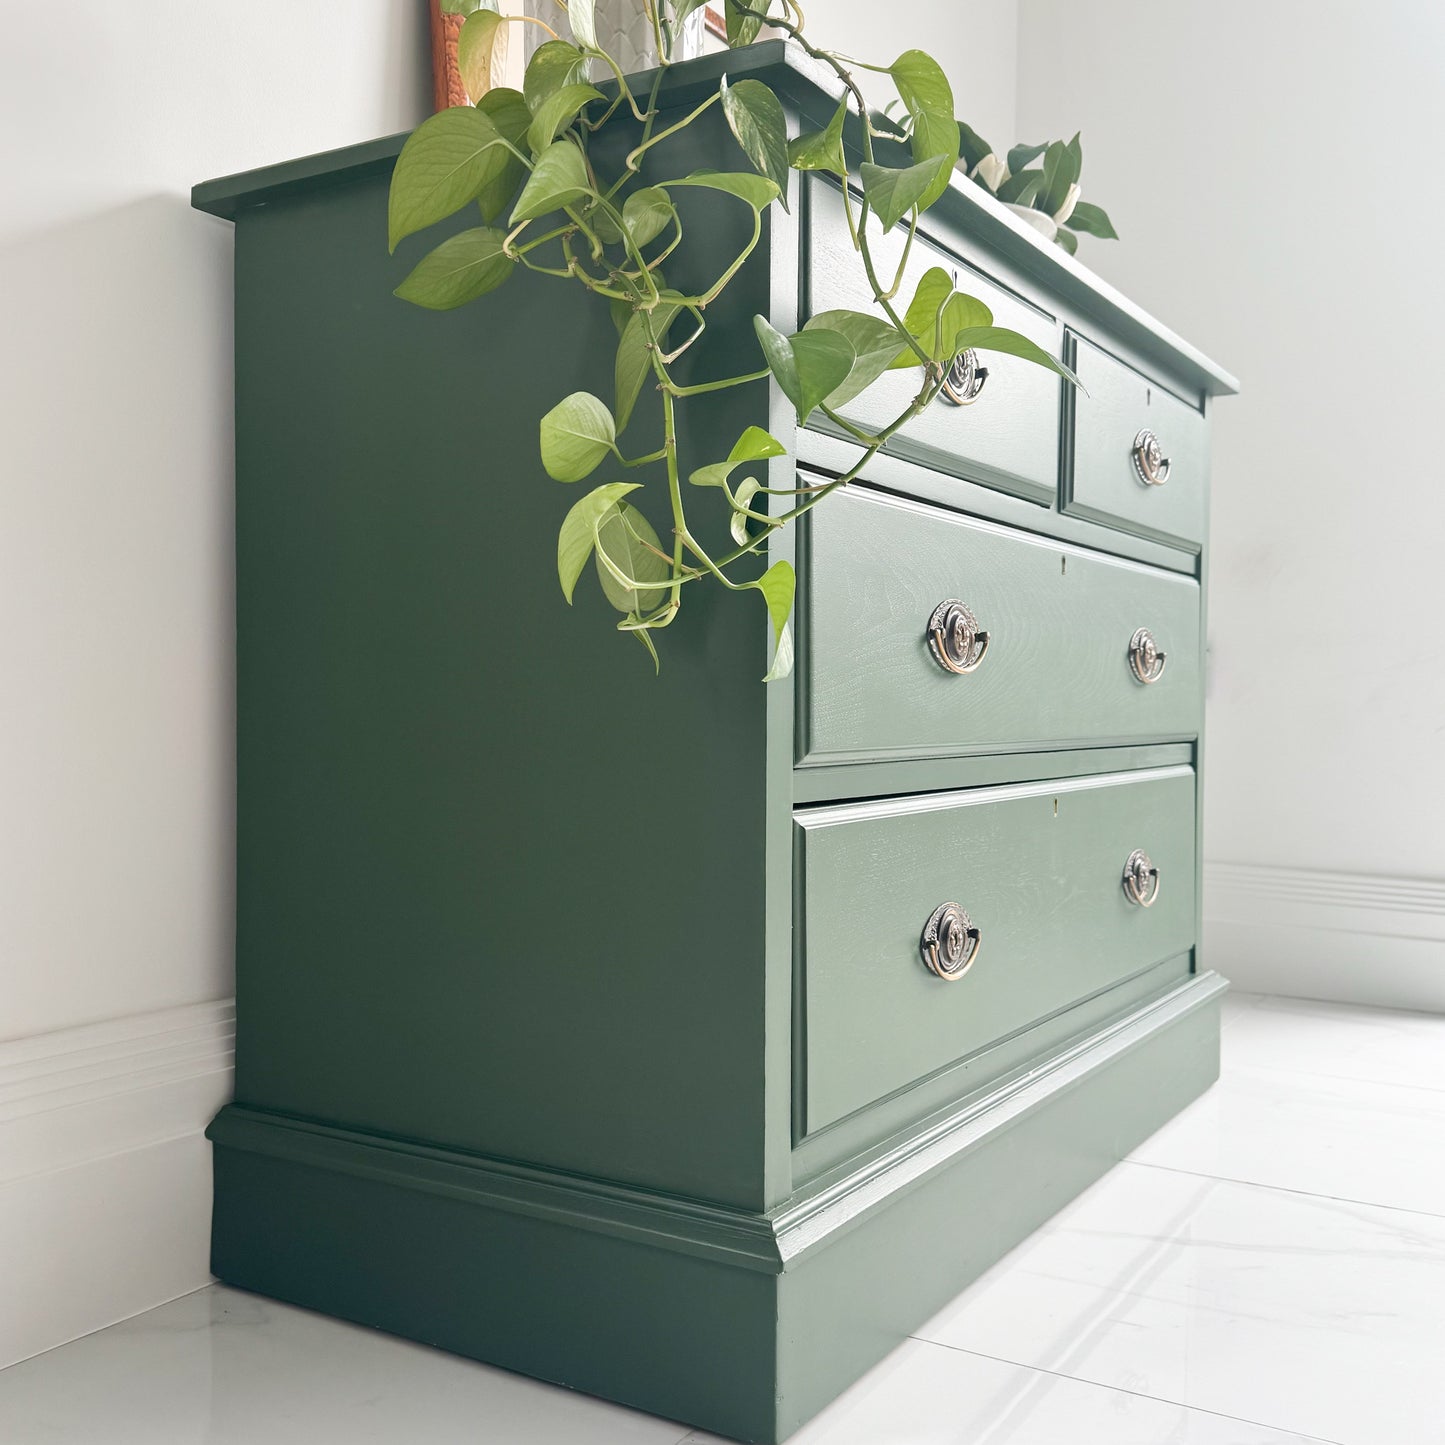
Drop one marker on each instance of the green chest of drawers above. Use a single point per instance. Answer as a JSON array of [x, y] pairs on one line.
[[707, 1125]]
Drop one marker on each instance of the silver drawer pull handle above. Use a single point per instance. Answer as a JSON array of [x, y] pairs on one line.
[[1141, 879], [957, 642], [964, 379], [1145, 658], [1149, 459], [950, 942]]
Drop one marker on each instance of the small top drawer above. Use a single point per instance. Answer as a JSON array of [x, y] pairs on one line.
[[1008, 436], [1042, 917], [1117, 478], [883, 575]]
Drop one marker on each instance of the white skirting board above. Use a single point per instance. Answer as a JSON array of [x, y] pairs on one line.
[[105, 1178], [1350, 937]]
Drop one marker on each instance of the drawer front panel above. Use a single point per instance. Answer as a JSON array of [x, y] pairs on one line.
[[1038, 868], [1007, 438], [1059, 619], [1117, 404]]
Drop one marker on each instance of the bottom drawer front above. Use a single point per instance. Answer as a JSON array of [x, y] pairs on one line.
[[1039, 870]]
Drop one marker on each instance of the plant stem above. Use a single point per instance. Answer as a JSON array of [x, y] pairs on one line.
[[632, 162], [722, 385]]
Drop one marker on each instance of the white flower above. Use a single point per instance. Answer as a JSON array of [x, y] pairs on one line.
[[1067, 209], [992, 171]]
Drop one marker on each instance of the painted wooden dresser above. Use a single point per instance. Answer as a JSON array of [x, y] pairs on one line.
[[688, 1040]]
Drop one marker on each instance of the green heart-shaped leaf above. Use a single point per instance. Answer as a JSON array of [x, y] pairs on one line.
[[922, 85], [755, 116], [1010, 343], [557, 112], [892, 192], [778, 584], [578, 535], [646, 214], [558, 179], [875, 342], [463, 267], [822, 150], [553, 66], [758, 191], [754, 445], [576, 434], [928, 98], [921, 318], [743, 29], [935, 314], [809, 366], [506, 109], [634, 355], [445, 163], [476, 46], [628, 564]]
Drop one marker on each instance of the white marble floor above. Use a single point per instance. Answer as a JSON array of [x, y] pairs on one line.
[[1267, 1270]]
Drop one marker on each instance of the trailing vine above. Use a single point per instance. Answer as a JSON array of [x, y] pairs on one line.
[[535, 156]]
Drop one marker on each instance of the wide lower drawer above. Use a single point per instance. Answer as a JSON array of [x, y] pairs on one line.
[[1037, 868], [1008, 437], [1060, 623], [1118, 477]]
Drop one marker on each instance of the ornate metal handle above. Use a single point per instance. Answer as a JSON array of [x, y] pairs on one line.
[[965, 378], [950, 942], [1145, 658], [1141, 879], [1149, 459], [957, 642]]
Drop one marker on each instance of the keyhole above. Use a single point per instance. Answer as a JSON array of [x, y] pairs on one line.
[[1063, 566], [1148, 395], [1056, 807]]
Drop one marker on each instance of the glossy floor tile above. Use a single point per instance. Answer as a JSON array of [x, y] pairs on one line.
[[926, 1394], [1269, 1269], [1374, 1045], [1297, 1311], [224, 1368], [1372, 1143]]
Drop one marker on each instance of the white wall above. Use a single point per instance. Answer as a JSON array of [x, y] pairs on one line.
[[116, 685], [975, 43], [1268, 167]]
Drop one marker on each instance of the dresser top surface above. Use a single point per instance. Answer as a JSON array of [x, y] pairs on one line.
[[814, 92]]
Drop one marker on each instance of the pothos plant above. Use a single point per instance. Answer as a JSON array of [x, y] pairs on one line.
[[536, 157], [1047, 194]]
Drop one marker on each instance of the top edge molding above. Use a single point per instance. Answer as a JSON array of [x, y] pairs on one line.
[[813, 92]]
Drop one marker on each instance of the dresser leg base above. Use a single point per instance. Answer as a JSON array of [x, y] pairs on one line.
[[745, 1325]]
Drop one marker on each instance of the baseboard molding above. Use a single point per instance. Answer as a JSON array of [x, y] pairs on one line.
[[1309, 933], [743, 1324], [105, 1178]]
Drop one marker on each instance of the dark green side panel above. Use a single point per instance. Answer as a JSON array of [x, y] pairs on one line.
[[499, 886], [678, 1336]]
